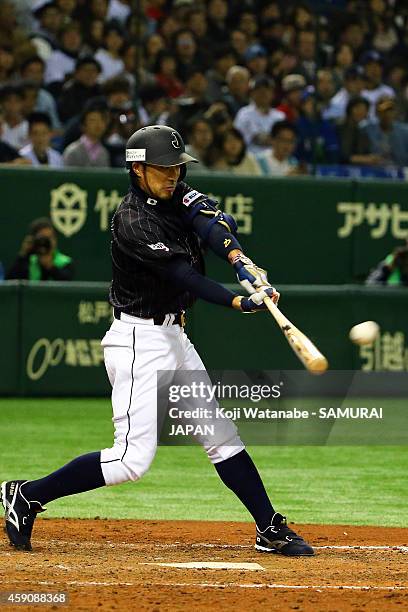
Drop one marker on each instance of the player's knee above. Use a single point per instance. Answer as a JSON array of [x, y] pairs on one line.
[[226, 450], [123, 464]]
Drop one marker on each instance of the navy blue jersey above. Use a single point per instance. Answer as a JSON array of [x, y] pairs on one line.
[[146, 234]]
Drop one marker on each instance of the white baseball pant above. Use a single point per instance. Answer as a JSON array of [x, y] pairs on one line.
[[134, 351]]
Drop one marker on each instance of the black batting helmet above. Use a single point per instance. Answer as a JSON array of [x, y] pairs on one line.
[[157, 145]]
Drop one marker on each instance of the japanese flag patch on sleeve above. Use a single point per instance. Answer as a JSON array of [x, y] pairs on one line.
[[191, 197]]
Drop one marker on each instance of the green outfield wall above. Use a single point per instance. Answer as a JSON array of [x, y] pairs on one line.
[[303, 230], [51, 334]]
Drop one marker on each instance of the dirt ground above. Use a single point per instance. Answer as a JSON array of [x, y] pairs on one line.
[[112, 565]]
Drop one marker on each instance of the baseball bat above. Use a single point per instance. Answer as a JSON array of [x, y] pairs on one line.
[[304, 349]]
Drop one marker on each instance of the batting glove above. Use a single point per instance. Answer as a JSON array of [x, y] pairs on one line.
[[249, 275], [255, 302]]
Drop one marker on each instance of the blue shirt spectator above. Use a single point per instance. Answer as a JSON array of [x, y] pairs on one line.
[[388, 138]]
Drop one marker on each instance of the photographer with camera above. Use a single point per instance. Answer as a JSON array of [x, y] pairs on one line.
[[39, 258], [393, 270]]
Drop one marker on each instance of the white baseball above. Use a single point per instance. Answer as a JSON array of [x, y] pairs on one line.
[[364, 333]]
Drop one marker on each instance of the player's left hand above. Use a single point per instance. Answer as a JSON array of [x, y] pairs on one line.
[[250, 276]]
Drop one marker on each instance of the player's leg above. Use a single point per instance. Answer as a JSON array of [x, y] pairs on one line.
[[239, 473], [133, 353]]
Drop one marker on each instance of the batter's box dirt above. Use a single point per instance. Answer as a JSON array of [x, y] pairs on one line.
[[118, 565]]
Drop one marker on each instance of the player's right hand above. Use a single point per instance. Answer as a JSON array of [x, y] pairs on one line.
[[255, 302]]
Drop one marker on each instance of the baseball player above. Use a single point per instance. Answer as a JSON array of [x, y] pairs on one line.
[[158, 272]]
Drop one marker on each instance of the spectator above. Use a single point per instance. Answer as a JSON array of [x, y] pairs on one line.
[[233, 156], [61, 62], [302, 16], [45, 36], [354, 143], [193, 102], [393, 270], [11, 35], [33, 69], [169, 25], [388, 138], [236, 95], [385, 35], [353, 34], [119, 10], [109, 55], [196, 21], [292, 87], [166, 75], [80, 88], [306, 52], [67, 8], [38, 150], [256, 120], [239, 42], [343, 61], [256, 60], [325, 90], [153, 46], [186, 52], [282, 63], [124, 121], [217, 14], [397, 79], [279, 160], [94, 35], [374, 88], [224, 59], [200, 141], [39, 258], [89, 151], [353, 87], [219, 117], [154, 104], [15, 127], [9, 155], [317, 138], [6, 63], [248, 24]]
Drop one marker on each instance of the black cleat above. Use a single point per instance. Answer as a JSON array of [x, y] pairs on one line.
[[20, 514], [279, 538]]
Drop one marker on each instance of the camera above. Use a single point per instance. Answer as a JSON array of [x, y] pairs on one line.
[[41, 245]]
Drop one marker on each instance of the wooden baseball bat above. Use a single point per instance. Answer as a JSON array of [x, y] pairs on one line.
[[309, 355]]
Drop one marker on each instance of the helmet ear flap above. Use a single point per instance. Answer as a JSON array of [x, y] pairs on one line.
[[183, 172]]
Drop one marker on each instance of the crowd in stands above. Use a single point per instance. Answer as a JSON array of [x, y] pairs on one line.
[[254, 86]]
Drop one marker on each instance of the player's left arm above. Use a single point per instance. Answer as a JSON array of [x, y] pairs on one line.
[[218, 230]]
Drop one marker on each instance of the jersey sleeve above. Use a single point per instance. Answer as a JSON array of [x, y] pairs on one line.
[[143, 240]]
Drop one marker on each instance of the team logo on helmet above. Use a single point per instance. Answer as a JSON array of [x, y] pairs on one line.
[[175, 141]]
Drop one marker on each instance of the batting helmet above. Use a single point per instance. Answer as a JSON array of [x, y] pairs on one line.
[[157, 145]]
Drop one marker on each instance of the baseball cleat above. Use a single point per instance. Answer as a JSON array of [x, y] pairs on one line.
[[20, 514], [279, 538]]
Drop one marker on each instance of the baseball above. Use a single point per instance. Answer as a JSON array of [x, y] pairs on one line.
[[364, 333]]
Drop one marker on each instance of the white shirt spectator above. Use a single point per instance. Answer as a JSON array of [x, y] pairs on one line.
[[16, 136], [54, 158], [337, 106], [118, 10], [59, 64], [373, 95], [250, 122], [110, 66], [271, 166]]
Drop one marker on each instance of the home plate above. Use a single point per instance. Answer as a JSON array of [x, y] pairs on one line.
[[212, 565]]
